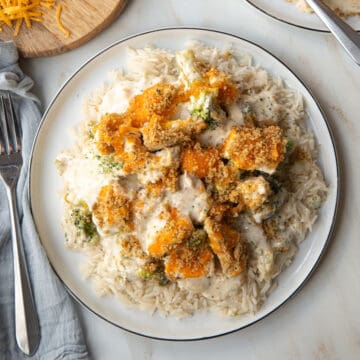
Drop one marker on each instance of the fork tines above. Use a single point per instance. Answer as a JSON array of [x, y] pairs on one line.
[[10, 132]]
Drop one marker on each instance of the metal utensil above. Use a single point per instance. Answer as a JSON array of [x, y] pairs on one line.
[[343, 32], [27, 330]]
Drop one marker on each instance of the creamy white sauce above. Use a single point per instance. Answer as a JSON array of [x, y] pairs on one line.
[[116, 99], [84, 180], [259, 216], [220, 289], [150, 176], [191, 199], [217, 136], [267, 169], [147, 229], [235, 114], [128, 268], [130, 183], [195, 285], [181, 112], [264, 105], [163, 159], [147, 218], [168, 156], [254, 234], [129, 146]]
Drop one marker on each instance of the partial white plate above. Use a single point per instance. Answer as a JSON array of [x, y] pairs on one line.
[[53, 136], [288, 13]]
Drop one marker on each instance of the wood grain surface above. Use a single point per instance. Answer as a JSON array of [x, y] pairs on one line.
[[84, 19]]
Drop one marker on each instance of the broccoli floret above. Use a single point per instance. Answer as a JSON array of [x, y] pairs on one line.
[[163, 280], [82, 220], [91, 134], [201, 108], [197, 238], [145, 274], [289, 146], [154, 269], [108, 164]]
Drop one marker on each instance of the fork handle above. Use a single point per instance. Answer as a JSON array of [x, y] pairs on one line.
[[27, 331], [344, 33]]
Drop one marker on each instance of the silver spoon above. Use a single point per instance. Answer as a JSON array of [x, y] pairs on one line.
[[343, 32]]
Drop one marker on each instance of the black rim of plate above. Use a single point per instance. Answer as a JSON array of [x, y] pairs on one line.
[[286, 21], [332, 142]]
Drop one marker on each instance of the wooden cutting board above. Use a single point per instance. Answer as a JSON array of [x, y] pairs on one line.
[[84, 19]]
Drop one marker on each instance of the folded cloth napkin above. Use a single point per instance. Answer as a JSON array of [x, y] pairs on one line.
[[61, 334]]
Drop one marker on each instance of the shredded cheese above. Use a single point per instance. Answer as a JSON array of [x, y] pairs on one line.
[[60, 24], [13, 13]]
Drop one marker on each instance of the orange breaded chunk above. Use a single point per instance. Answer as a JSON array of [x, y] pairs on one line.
[[159, 133], [131, 247], [228, 91], [110, 132], [255, 148], [112, 209], [187, 262], [178, 227], [134, 154], [227, 245], [115, 136], [200, 162], [158, 99], [252, 192], [216, 82]]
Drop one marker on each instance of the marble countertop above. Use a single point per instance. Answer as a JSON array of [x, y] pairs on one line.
[[323, 320]]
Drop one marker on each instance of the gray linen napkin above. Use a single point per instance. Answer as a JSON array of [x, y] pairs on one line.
[[61, 335]]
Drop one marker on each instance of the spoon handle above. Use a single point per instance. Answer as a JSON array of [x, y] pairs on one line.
[[343, 32]]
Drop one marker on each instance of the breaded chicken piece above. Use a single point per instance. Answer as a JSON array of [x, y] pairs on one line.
[[158, 99], [178, 227], [114, 136], [200, 162], [228, 91], [159, 133], [112, 210], [189, 262], [110, 131], [227, 244], [252, 192], [255, 148], [131, 247], [223, 177]]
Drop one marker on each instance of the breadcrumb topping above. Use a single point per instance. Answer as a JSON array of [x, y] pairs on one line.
[[176, 229], [255, 148], [113, 209]]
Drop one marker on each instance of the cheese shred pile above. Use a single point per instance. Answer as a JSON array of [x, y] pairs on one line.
[[13, 13], [60, 24]]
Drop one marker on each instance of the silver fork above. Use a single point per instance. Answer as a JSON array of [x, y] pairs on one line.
[[27, 330], [344, 33]]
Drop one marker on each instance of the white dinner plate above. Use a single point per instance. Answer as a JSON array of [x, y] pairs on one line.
[[65, 112], [288, 13]]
